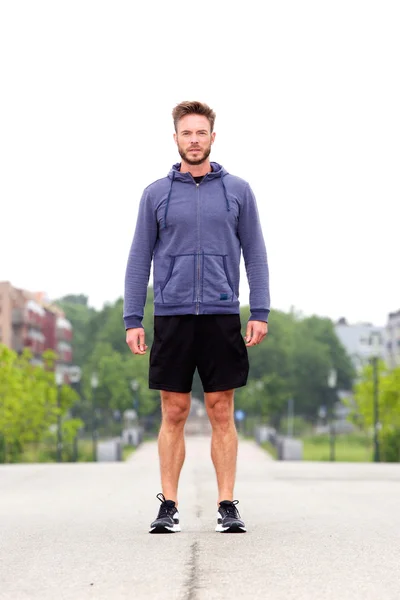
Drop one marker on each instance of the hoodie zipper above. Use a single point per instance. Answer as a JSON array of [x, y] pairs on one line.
[[198, 248]]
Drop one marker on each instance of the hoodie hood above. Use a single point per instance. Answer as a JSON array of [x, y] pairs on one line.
[[175, 173]]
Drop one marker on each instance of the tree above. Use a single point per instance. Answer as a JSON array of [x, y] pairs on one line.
[[293, 362], [362, 407], [80, 315], [28, 400], [115, 372], [362, 403]]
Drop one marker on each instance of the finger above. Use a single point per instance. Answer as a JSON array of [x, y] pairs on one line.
[[249, 332], [142, 345], [252, 340], [133, 345], [132, 342], [257, 338]]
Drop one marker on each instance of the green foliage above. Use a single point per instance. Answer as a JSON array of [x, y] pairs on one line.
[[272, 451], [362, 404], [301, 427], [100, 347], [115, 372], [362, 407], [74, 299], [29, 402], [348, 448], [390, 444], [80, 315], [293, 362]]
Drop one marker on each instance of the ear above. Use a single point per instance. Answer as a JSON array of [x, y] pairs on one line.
[[212, 137], [175, 139]]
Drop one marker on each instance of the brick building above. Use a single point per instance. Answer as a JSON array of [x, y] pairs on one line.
[[29, 320]]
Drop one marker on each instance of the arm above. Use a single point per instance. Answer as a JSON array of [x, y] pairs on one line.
[[255, 257], [139, 263]]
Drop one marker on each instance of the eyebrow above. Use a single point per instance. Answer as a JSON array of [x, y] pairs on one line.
[[198, 131]]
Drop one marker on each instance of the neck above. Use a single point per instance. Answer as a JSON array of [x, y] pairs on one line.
[[196, 170]]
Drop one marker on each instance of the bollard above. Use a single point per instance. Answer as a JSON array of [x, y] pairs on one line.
[[289, 449]]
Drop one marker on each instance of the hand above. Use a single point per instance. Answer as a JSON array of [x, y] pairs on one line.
[[135, 340], [255, 333]]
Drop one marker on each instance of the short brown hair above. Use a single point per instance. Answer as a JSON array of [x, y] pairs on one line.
[[193, 108]]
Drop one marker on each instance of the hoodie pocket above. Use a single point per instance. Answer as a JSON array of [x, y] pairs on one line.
[[178, 286], [217, 287]]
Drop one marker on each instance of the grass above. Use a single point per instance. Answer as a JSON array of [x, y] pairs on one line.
[[127, 451], [348, 448], [270, 449], [46, 452]]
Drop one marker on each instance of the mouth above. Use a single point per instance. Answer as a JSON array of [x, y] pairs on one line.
[[194, 150]]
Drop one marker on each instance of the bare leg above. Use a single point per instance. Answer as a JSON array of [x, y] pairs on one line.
[[224, 441], [171, 442]]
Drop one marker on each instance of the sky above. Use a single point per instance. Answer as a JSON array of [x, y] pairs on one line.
[[306, 96]]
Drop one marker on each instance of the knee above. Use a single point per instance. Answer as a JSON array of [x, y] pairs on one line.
[[221, 412], [174, 411]]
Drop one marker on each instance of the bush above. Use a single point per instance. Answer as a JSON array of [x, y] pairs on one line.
[[390, 445], [301, 427]]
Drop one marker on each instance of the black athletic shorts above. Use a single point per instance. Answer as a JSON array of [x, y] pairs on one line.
[[212, 343]]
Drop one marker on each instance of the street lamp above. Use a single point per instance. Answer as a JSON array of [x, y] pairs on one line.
[[259, 386], [375, 342], [74, 375], [290, 417], [94, 382], [135, 387], [332, 379], [59, 381]]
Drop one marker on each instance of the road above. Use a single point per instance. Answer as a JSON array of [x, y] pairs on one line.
[[316, 531]]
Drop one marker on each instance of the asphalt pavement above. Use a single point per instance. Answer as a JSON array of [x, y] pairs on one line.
[[316, 531]]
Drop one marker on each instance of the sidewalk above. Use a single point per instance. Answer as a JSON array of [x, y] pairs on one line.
[[316, 531]]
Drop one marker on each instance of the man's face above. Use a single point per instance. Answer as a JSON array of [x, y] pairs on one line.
[[194, 139]]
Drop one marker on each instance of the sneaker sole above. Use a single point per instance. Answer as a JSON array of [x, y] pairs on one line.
[[163, 529], [232, 529]]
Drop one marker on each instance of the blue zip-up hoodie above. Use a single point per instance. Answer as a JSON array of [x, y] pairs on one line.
[[194, 233]]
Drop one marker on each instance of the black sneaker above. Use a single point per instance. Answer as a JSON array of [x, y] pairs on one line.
[[167, 519], [228, 518]]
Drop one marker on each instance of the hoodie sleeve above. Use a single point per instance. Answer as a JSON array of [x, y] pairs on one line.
[[139, 263], [255, 257]]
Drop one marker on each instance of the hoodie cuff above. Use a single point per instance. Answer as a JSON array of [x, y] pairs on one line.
[[259, 315], [132, 322]]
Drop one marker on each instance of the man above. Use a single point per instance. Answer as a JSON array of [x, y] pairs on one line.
[[193, 224]]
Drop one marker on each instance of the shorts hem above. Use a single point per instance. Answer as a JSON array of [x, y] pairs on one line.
[[223, 388], [168, 388]]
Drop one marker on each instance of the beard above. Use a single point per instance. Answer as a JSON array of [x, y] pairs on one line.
[[198, 161]]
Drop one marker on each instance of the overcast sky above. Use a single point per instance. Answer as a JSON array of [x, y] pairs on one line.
[[307, 97]]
